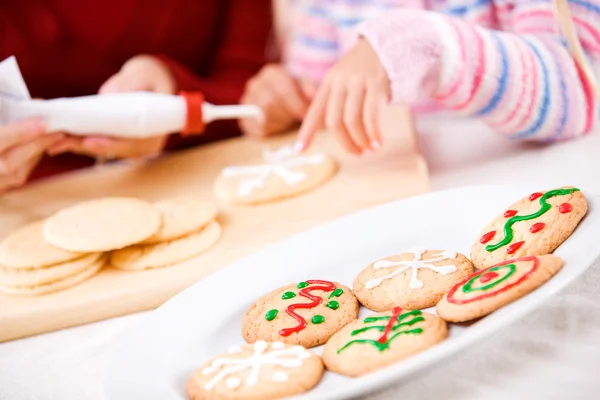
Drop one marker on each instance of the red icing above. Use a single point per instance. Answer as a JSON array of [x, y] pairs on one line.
[[514, 247], [510, 213], [535, 195], [487, 237], [488, 277], [388, 328], [450, 296], [565, 208], [325, 286], [535, 228]]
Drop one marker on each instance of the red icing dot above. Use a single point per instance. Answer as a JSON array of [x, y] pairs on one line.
[[487, 237], [488, 277], [535, 195], [535, 228], [565, 208], [514, 247], [510, 213]]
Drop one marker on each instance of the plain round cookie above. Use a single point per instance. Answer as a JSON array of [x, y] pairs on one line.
[[330, 306], [412, 280], [167, 253], [554, 216], [27, 248], [492, 288], [102, 225], [281, 371], [230, 186], [382, 339], [181, 216], [55, 286], [45, 275]]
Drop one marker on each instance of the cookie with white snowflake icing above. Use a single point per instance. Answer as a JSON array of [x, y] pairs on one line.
[[260, 371], [382, 339], [413, 280], [496, 286], [284, 173], [533, 226], [307, 313]]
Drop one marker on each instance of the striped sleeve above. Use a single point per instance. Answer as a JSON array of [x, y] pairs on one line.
[[314, 42], [523, 83]]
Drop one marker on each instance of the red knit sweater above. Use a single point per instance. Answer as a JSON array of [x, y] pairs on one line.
[[70, 47]]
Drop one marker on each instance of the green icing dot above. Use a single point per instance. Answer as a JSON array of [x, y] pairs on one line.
[[318, 319], [334, 305], [288, 295], [302, 285], [270, 316], [336, 293]]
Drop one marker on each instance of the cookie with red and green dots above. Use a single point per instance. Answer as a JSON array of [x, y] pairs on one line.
[[306, 313], [494, 287], [533, 226]]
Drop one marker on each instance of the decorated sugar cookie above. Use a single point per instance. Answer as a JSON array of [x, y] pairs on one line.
[[414, 280], [307, 313], [284, 173], [533, 226], [494, 287], [260, 371], [382, 339]]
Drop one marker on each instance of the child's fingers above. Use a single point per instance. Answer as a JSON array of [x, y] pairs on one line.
[[314, 118], [288, 93], [372, 110], [353, 119], [334, 118]]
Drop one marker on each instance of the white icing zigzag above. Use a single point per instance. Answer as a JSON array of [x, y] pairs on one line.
[[278, 163], [279, 355], [414, 265]]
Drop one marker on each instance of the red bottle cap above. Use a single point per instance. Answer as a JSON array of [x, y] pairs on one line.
[[194, 124]]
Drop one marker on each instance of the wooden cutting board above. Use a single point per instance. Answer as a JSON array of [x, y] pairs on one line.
[[396, 171]]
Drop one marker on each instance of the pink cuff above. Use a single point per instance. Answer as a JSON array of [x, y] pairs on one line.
[[409, 47]]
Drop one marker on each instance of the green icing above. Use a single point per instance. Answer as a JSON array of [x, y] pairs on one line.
[[334, 305], [302, 285], [318, 319], [271, 314], [288, 295], [336, 293]]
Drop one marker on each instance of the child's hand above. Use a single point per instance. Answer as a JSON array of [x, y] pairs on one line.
[[282, 98], [140, 73], [350, 101], [22, 145]]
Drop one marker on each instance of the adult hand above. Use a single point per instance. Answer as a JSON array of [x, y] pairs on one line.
[[141, 73], [350, 101], [22, 145], [283, 100]]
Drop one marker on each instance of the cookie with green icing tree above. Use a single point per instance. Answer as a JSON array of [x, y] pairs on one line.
[[306, 313], [382, 339], [533, 226], [496, 286]]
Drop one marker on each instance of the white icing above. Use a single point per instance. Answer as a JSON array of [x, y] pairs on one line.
[[278, 163], [280, 376], [278, 345], [233, 383], [290, 357], [235, 350], [413, 265]]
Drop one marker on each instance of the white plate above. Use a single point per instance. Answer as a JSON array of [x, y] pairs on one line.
[[156, 359]]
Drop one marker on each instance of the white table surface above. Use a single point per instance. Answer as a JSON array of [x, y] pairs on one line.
[[553, 353]]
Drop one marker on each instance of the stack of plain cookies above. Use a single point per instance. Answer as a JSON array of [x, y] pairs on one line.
[[128, 233]]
